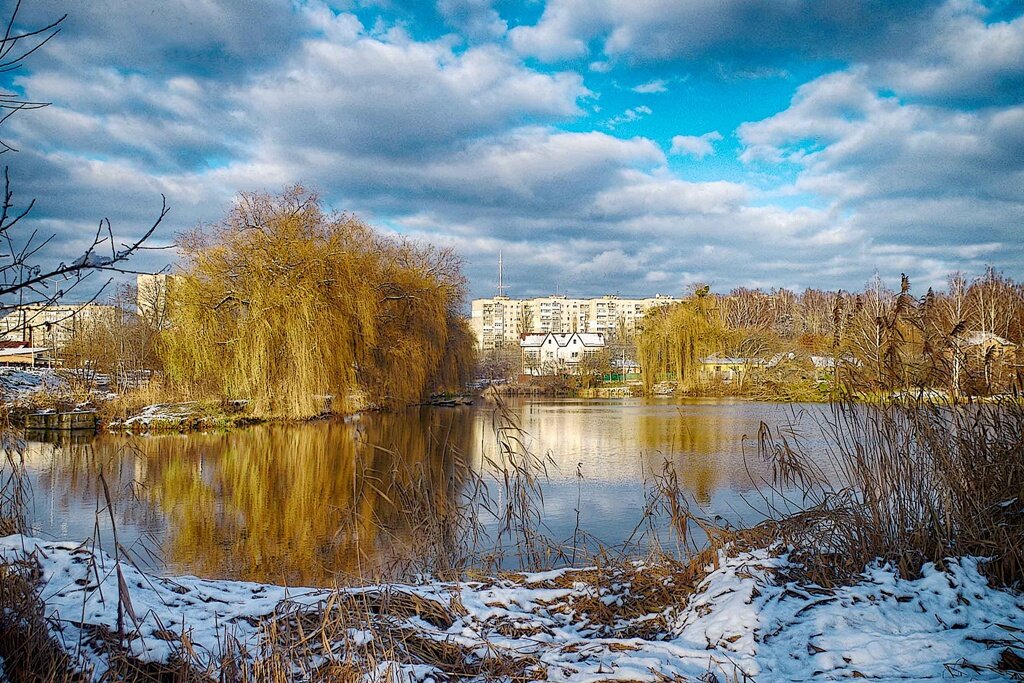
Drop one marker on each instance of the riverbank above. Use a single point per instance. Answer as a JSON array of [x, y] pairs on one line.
[[152, 409], [730, 615]]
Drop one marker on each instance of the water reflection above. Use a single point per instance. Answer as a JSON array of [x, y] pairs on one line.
[[709, 443], [301, 504], [286, 503]]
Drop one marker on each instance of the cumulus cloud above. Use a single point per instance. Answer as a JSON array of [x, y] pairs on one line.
[[905, 173], [698, 146], [460, 140], [733, 29], [641, 194], [372, 95], [965, 59], [184, 36], [854, 144]]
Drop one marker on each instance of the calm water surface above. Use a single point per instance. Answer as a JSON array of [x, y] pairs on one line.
[[305, 504]]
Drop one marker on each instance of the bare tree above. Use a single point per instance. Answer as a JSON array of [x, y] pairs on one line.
[[995, 302], [23, 280], [958, 313]]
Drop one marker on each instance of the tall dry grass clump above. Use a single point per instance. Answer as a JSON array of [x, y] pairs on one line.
[[285, 305], [909, 482]]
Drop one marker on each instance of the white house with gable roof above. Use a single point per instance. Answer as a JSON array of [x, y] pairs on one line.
[[549, 353]]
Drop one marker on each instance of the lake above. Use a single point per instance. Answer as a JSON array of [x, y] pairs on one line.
[[379, 494]]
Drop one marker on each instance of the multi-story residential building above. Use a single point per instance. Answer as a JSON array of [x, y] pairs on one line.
[[151, 298], [51, 326], [501, 321]]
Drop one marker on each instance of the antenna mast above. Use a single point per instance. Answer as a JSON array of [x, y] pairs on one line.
[[501, 286]]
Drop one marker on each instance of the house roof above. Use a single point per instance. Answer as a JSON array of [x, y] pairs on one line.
[[527, 340], [591, 338], [562, 339], [979, 338], [21, 350]]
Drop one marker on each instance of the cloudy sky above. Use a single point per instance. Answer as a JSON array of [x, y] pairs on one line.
[[630, 146]]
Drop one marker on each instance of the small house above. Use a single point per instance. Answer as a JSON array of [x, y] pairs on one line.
[[551, 353], [725, 369]]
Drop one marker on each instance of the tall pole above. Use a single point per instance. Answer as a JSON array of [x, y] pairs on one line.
[[501, 285]]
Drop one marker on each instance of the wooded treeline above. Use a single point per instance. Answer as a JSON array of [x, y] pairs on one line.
[[964, 339]]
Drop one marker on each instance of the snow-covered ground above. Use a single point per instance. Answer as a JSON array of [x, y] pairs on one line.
[[169, 414], [742, 621], [17, 383], [183, 416]]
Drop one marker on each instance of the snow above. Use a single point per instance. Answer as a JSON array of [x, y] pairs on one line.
[[91, 259], [20, 383], [743, 620], [169, 413]]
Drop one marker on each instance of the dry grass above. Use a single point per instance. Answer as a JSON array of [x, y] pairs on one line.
[[29, 652], [908, 482], [121, 406], [300, 635]]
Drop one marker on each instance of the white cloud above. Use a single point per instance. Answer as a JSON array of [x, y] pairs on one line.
[[459, 142], [642, 194], [382, 96], [629, 116], [698, 146], [910, 174], [655, 86], [964, 58], [853, 144], [734, 29], [217, 38]]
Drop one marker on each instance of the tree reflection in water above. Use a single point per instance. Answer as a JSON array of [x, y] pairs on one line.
[[292, 504]]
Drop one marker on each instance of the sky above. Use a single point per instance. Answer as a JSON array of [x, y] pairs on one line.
[[602, 146]]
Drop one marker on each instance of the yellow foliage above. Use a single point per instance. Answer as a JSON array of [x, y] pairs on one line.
[[674, 339], [285, 305]]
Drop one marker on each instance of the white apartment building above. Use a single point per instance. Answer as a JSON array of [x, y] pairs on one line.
[[151, 298], [501, 321]]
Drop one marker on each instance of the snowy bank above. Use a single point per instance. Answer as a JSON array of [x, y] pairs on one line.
[[22, 383], [741, 619], [184, 416]]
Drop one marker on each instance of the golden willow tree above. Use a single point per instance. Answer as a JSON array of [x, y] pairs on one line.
[[674, 339], [284, 305]]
